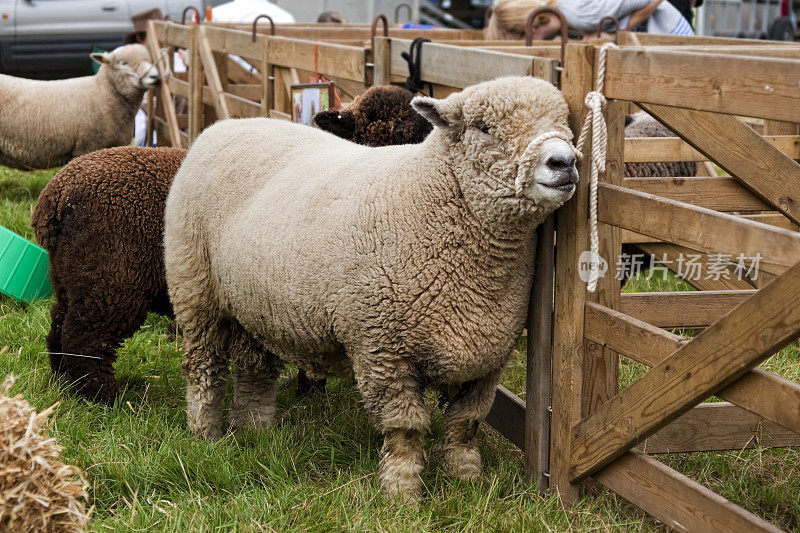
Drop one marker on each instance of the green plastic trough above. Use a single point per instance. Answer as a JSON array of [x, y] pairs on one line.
[[24, 268]]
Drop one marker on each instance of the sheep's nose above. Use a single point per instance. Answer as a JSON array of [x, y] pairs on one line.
[[560, 162]]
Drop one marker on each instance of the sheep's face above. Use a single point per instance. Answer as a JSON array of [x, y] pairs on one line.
[[509, 143], [129, 68], [382, 116]]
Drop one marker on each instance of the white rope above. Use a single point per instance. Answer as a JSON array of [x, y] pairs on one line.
[[594, 122]]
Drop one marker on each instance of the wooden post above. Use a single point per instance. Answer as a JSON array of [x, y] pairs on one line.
[[151, 117], [165, 94], [267, 79], [540, 338], [195, 87], [382, 61], [540, 342], [601, 364], [570, 292]]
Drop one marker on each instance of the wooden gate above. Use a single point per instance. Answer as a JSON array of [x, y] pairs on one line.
[[600, 431]]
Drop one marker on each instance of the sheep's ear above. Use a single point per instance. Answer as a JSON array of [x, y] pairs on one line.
[[99, 57], [340, 123], [437, 112]]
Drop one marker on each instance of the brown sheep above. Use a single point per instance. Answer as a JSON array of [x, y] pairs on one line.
[[382, 116], [101, 219], [643, 125]]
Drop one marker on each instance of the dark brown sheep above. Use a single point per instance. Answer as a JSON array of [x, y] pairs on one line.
[[382, 116], [101, 220], [643, 125]]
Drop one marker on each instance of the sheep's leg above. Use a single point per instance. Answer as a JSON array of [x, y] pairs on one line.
[[307, 386], [255, 379], [393, 397], [89, 344], [466, 409], [92, 327], [205, 365], [57, 315]]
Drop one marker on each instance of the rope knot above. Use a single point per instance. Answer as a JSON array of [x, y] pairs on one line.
[[594, 126], [595, 101]]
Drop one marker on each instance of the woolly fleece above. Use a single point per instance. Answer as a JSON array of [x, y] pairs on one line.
[[101, 220], [281, 245], [382, 116]]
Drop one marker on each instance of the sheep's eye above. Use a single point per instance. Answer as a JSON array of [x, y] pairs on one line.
[[123, 63], [482, 126]]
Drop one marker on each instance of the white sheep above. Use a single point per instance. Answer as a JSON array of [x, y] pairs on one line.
[[406, 266], [46, 123]]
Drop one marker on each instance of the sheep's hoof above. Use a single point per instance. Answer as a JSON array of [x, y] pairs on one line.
[[307, 386], [400, 480], [403, 490], [96, 388], [205, 430], [463, 463]]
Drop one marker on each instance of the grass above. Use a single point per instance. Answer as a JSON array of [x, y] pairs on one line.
[[315, 470]]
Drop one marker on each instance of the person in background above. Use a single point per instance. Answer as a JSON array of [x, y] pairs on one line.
[[686, 9], [509, 17], [332, 16]]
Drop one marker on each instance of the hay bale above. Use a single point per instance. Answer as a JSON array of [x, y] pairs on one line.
[[37, 491]]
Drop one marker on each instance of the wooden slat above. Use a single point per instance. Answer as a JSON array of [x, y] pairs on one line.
[[758, 327], [178, 87], [675, 499], [668, 149], [692, 309], [172, 34], [719, 194], [164, 92], [460, 67], [631, 337], [549, 52], [749, 86], [743, 153], [538, 368], [232, 41], [343, 61], [771, 219], [240, 75], [212, 75], [382, 58], [700, 280], [719, 426], [507, 416], [764, 393], [775, 49], [698, 228], [195, 68], [628, 38], [248, 91], [776, 127], [570, 296]]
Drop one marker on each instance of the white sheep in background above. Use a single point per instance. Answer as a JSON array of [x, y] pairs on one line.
[[46, 123], [406, 266]]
